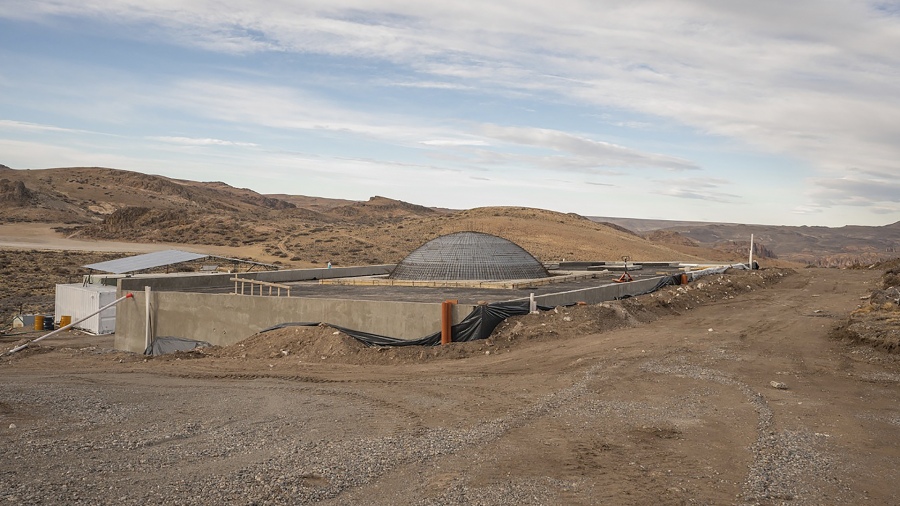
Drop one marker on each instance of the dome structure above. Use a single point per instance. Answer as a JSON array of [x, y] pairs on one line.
[[469, 256]]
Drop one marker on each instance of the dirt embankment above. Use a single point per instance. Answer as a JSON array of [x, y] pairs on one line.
[[877, 322]]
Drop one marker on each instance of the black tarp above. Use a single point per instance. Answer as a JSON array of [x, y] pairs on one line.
[[169, 344], [477, 325], [663, 282]]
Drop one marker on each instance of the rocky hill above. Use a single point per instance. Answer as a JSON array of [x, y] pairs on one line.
[[818, 246], [85, 195], [110, 204]]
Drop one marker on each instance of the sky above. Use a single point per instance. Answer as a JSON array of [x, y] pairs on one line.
[[767, 112]]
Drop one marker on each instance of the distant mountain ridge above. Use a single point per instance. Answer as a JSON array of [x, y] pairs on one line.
[[820, 246], [112, 204]]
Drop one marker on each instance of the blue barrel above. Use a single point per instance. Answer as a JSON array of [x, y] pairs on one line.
[[48, 322]]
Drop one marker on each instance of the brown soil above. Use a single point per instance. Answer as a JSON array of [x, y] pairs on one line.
[[877, 322], [728, 390]]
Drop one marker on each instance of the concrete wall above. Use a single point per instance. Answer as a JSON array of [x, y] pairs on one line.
[[219, 280], [224, 319], [335, 272], [598, 294]]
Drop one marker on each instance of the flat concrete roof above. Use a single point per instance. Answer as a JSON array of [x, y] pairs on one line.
[[464, 295]]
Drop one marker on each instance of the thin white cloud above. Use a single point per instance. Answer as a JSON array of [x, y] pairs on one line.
[[584, 152], [436, 85], [857, 188], [695, 189], [286, 108], [191, 141], [24, 126], [455, 142]]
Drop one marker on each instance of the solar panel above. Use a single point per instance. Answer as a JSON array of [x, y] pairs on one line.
[[146, 261]]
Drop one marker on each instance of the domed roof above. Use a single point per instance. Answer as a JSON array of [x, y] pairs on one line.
[[469, 256]]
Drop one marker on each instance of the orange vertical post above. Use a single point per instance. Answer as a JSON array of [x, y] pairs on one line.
[[447, 321]]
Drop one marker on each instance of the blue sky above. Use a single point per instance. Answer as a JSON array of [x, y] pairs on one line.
[[754, 112]]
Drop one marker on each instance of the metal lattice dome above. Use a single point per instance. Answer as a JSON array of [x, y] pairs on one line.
[[469, 256]]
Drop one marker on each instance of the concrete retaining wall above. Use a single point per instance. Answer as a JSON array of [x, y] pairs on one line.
[[597, 294], [220, 280], [335, 272], [224, 319], [175, 282]]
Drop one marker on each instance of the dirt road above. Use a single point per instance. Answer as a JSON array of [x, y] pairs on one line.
[[742, 399], [42, 236]]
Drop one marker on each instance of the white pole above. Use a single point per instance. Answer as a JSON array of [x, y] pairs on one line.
[[532, 305], [750, 265], [67, 327], [147, 319]]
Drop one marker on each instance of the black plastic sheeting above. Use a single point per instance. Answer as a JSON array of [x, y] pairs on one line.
[[168, 344], [663, 282], [477, 325]]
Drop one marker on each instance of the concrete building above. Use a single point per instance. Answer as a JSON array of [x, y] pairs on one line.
[[223, 309]]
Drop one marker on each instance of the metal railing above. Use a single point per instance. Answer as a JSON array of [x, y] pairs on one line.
[[240, 283]]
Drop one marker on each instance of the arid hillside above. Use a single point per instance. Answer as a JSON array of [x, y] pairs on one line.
[[818, 246], [108, 204]]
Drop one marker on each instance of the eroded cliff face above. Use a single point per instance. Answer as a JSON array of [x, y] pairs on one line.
[[15, 193]]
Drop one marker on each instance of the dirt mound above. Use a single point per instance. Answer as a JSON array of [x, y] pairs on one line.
[[717, 287], [876, 326], [300, 342], [877, 323], [323, 343]]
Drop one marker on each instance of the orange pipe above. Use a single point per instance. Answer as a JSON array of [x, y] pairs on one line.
[[447, 321]]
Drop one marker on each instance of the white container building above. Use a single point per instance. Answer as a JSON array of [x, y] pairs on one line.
[[78, 301]]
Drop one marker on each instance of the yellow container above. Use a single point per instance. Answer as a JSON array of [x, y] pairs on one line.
[[64, 320], [38, 322]]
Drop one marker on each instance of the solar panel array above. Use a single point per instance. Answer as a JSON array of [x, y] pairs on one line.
[[146, 261], [469, 256]]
